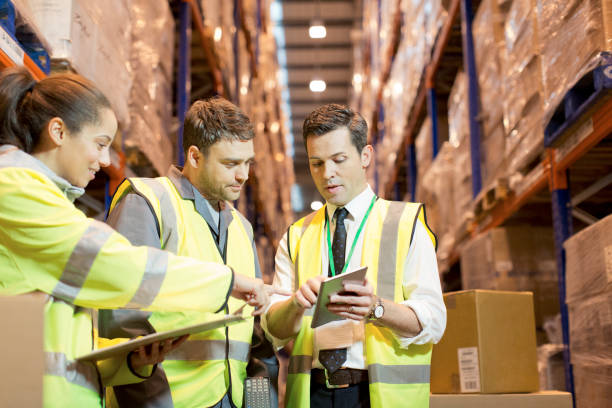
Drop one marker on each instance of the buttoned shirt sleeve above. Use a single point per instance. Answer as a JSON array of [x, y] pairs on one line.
[[422, 290]]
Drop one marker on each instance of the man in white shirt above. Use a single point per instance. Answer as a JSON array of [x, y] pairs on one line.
[[379, 355]]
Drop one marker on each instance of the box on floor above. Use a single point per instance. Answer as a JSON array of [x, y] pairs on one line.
[[489, 345]]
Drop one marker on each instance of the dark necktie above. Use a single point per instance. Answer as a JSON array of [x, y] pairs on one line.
[[339, 241], [333, 359]]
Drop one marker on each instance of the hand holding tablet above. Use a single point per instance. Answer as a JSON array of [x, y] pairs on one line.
[[322, 315]]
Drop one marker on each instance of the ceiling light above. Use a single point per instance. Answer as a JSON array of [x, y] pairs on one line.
[[317, 85], [218, 34], [317, 29]]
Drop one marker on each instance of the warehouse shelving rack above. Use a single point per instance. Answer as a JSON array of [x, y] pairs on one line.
[[13, 54], [585, 148]]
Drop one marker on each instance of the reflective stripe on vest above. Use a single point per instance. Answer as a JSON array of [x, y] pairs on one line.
[[75, 372], [150, 285], [387, 255], [399, 374], [204, 350], [167, 214], [81, 259]]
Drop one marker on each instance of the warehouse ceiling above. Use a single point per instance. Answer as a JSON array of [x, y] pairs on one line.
[[305, 59]]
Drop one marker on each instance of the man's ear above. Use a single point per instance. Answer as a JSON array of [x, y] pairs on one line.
[[56, 128], [194, 156], [366, 156]]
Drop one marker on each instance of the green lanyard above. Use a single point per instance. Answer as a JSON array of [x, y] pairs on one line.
[[329, 245]]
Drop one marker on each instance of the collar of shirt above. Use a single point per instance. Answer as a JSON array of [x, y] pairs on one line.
[[357, 207]]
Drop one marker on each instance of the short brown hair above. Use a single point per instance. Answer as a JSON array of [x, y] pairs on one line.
[[214, 119], [333, 116]]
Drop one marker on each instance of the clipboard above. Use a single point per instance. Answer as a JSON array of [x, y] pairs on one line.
[[126, 347], [329, 286]]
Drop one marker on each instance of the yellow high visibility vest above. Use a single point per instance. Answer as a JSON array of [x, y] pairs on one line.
[[398, 377], [198, 372], [47, 244]]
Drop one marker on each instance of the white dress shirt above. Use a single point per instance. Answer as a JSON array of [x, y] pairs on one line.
[[421, 283]]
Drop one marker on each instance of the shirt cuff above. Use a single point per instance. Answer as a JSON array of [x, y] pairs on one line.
[[424, 316], [276, 342]]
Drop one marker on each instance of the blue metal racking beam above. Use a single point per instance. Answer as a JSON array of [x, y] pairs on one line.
[[411, 165], [432, 107], [183, 82], [235, 46], [562, 226], [469, 63]]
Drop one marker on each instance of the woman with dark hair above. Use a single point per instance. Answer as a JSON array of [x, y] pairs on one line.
[[54, 136]]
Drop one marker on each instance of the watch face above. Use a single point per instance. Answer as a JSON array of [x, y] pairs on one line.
[[378, 311]]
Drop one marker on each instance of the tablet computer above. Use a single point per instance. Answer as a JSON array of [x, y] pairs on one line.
[[126, 347], [330, 286]]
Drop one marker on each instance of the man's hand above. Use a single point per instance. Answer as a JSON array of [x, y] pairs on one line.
[[306, 296], [285, 318], [146, 355], [355, 302], [254, 292]]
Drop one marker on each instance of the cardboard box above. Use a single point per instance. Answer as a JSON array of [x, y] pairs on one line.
[[593, 385], [489, 345], [517, 258], [94, 37], [544, 399], [590, 325], [588, 256], [21, 350]]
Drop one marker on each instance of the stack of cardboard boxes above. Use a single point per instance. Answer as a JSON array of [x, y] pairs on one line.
[[93, 38], [587, 26], [148, 141], [519, 258], [589, 297]]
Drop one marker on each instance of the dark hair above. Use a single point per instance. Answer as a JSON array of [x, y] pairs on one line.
[[27, 106], [333, 116], [208, 121]]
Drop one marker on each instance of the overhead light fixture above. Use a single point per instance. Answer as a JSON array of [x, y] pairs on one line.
[[218, 34], [317, 85], [317, 29]]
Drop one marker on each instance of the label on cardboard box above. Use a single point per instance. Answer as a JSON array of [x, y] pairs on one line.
[[469, 373]]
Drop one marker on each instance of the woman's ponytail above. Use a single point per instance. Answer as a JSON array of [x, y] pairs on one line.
[[16, 86], [27, 106]]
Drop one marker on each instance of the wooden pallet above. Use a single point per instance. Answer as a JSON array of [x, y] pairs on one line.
[[490, 197]]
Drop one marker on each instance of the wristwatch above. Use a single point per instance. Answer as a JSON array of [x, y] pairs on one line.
[[378, 310]]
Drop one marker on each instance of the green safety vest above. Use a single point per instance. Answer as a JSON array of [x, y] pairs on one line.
[[48, 245], [198, 373], [397, 376]]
